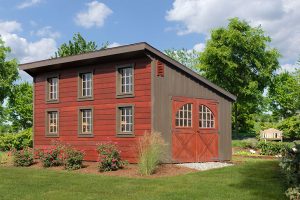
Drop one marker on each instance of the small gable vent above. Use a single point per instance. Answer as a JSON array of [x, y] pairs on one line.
[[160, 69]]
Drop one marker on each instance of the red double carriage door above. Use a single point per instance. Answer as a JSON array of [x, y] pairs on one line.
[[194, 130]]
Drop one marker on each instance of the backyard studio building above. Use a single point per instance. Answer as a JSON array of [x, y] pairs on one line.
[[117, 94]]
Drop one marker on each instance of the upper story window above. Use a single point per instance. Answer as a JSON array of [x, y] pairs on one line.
[[125, 80], [85, 85], [184, 116], [52, 89], [206, 117]]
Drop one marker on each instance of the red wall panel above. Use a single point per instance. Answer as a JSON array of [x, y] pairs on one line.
[[104, 104]]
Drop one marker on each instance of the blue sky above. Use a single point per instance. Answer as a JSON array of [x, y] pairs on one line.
[[35, 28]]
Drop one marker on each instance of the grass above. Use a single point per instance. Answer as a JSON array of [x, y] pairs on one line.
[[254, 179]]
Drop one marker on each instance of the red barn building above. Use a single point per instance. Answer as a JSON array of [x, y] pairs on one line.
[[116, 94]]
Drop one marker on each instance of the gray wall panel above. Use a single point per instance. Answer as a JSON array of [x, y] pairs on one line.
[[176, 83]]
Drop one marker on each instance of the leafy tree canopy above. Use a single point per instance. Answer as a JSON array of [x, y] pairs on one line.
[[189, 58], [238, 58], [8, 74], [77, 46], [284, 94], [19, 106], [290, 127]]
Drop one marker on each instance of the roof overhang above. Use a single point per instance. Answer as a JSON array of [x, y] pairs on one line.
[[121, 52]]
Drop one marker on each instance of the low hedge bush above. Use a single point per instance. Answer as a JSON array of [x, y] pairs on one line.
[[51, 157], [23, 158], [109, 158], [272, 148], [246, 143], [17, 141], [73, 158], [59, 154]]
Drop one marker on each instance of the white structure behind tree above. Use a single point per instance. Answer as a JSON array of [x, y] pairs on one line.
[[271, 134]]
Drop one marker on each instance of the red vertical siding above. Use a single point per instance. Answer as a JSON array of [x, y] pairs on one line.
[[104, 104]]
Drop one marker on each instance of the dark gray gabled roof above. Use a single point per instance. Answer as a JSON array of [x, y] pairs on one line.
[[132, 49]]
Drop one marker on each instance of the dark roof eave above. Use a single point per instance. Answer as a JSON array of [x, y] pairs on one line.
[[29, 67]]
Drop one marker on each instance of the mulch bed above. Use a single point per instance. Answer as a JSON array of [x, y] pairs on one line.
[[131, 170]]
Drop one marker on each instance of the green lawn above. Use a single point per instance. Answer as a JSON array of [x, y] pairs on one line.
[[254, 179]]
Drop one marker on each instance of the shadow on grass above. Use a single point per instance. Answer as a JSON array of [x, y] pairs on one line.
[[262, 179]]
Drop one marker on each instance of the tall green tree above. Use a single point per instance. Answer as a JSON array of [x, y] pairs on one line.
[[284, 94], [8, 74], [19, 106], [77, 46], [239, 59], [189, 58]]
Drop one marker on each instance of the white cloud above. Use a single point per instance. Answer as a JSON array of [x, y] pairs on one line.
[[114, 44], [95, 15], [9, 27], [47, 32], [28, 3], [199, 47], [279, 18], [288, 67], [24, 50]]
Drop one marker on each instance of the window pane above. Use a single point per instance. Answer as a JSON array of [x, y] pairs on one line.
[[52, 122], [52, 88], [126, 79], [86, 84], [184, 116], [206, 117], [86, 120], [126, 119]]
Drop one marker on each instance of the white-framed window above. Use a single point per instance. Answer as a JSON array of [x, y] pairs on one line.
[[206, 117], [126, 80], [86, 121], [52, 88], [86, 84], [184, 116], [52, 122], [126, 119]]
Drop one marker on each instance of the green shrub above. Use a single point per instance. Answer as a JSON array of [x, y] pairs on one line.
[[290, 165], [151, 151], [246, 143], [109, 158], [23, 158], [51, 157], [293, 193], [272, 148], [243, 153], [16, 141], [290, 127], [73, 158]]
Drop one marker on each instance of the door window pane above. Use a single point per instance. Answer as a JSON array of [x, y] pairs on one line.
[[184, 116], [206, 117]]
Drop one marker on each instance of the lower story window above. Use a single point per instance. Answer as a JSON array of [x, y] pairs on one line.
[[125, 115], [52, 122], [86, 121]]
